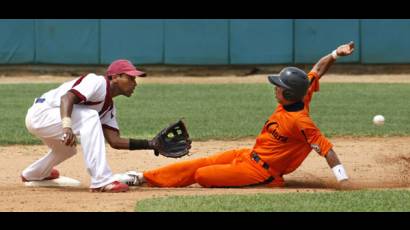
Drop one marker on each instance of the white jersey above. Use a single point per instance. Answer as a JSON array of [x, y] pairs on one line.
[[94, 93]]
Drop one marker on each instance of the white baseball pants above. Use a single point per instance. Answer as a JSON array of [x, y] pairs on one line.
[[44, 122]]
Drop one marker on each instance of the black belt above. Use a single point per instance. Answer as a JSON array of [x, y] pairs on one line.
[[39, 100], [258, 160]]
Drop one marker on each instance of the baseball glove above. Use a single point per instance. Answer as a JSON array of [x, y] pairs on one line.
[[173, 141]]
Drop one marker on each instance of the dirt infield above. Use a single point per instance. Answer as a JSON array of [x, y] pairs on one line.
[[370, 162]]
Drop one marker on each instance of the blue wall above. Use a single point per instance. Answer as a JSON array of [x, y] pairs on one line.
[[201, 41], [67, 41], [16, 41], [385, 41], [261, 41], [315, 38], [141, 41], [196, 41]]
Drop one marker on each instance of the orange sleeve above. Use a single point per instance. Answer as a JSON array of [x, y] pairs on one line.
[[313, 87], [313, 136]]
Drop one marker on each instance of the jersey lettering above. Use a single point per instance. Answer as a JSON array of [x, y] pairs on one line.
[[275, 132]]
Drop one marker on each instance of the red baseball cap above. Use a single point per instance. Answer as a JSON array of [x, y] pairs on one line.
[[124, 66]]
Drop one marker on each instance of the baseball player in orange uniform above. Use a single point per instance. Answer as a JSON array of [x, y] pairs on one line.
[[286, 139]]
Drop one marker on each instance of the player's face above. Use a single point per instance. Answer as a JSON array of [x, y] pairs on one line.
[[127, 84]]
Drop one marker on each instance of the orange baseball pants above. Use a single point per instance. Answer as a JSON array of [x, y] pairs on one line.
[[232, 168]]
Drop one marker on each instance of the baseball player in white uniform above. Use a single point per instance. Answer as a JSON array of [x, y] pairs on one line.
[[84, 108]]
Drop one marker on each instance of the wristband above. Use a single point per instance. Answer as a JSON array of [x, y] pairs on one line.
[[334, 55], [139, 144], [66, 121]]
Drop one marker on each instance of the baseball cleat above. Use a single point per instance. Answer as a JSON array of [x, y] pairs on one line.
[[115, 186], [53, 175], [131, 178]]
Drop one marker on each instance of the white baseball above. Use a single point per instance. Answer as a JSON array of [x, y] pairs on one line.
[[378, 120]]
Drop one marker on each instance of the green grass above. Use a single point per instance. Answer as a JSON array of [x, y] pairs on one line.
[[14, 103], [352, 201], [227, 111]]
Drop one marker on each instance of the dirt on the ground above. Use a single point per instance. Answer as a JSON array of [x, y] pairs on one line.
[[373, 163]]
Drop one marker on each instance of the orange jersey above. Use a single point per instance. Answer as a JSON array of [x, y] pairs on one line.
[[290, 134]]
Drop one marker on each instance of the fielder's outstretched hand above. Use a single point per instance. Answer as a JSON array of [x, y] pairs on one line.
[[346, 49]]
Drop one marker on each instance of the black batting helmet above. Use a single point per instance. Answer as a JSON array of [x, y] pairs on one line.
[[294, 80]]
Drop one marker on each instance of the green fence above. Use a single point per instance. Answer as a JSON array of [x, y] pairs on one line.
[[201, 41]]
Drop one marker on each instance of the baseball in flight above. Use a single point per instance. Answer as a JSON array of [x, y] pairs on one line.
[[378, 120]]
